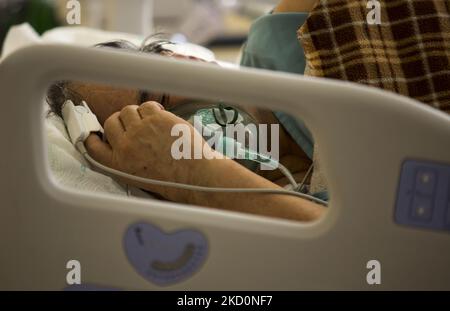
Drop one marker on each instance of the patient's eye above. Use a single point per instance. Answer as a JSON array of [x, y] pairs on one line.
[[166, 100]]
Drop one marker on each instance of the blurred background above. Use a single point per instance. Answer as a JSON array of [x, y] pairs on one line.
[[221, 25]]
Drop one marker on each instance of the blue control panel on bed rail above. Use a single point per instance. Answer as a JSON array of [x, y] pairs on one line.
[[423, 198]]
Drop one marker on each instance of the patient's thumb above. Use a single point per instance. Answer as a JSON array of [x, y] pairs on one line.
[[99, 150]]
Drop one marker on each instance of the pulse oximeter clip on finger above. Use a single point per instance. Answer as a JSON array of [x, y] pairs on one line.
[[81, 122]]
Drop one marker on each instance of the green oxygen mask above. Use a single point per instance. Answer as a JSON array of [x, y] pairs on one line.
[[228, 129]]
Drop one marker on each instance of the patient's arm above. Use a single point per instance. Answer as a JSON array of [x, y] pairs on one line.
[[140, 144], [228, 173]]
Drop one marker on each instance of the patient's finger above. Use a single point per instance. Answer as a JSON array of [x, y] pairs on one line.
[[149, 108], [99, 150], [114, 129], [129, 115]]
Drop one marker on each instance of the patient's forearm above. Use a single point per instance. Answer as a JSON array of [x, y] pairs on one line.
[[229, 174], [136, 145]]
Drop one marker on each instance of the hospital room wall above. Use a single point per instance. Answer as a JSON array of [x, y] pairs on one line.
[[132, 16], [228, 23], [221, 25]]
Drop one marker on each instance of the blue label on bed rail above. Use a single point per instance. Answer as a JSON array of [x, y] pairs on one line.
[[165, 258], [424, 195]]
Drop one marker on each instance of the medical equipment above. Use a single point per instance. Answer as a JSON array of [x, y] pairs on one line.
[[211, 119], [365, 138], [81, 122], [216, 119]]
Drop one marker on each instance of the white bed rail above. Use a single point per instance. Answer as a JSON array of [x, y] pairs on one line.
[[364, 136]]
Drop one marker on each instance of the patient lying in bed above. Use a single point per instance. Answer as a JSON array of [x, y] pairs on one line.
[[113, 105]]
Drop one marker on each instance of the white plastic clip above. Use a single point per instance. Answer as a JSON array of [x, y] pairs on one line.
[[80, 121]]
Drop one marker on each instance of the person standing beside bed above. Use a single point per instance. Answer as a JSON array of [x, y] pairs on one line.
[[408, 53]]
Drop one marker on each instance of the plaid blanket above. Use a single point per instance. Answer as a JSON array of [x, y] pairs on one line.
[[408, 52]]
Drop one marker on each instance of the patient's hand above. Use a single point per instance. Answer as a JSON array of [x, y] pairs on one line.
[[140, 144]]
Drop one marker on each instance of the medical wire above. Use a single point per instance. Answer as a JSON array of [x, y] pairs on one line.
[[156, 182], [260, 159], [288, 175], [302, 184]]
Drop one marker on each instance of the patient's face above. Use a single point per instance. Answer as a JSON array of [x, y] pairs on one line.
[[105, 100]]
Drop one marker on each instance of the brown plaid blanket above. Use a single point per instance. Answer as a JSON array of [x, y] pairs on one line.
[[408, 52]]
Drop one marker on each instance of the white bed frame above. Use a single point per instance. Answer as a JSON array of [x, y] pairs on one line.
[[365, 135]]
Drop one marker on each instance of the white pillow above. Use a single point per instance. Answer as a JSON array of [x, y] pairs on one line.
[[70, 169], [68, 166], [18, 37], [24, 35], [84, 36]]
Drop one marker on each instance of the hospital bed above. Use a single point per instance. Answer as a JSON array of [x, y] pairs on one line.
[[378, 149]]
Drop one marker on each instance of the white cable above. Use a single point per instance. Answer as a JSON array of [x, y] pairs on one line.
[[193, 187], [288, 175], [302, 184], [254, 156]]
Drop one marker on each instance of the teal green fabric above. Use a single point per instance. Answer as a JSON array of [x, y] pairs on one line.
[[323, 195], [272, 44]]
